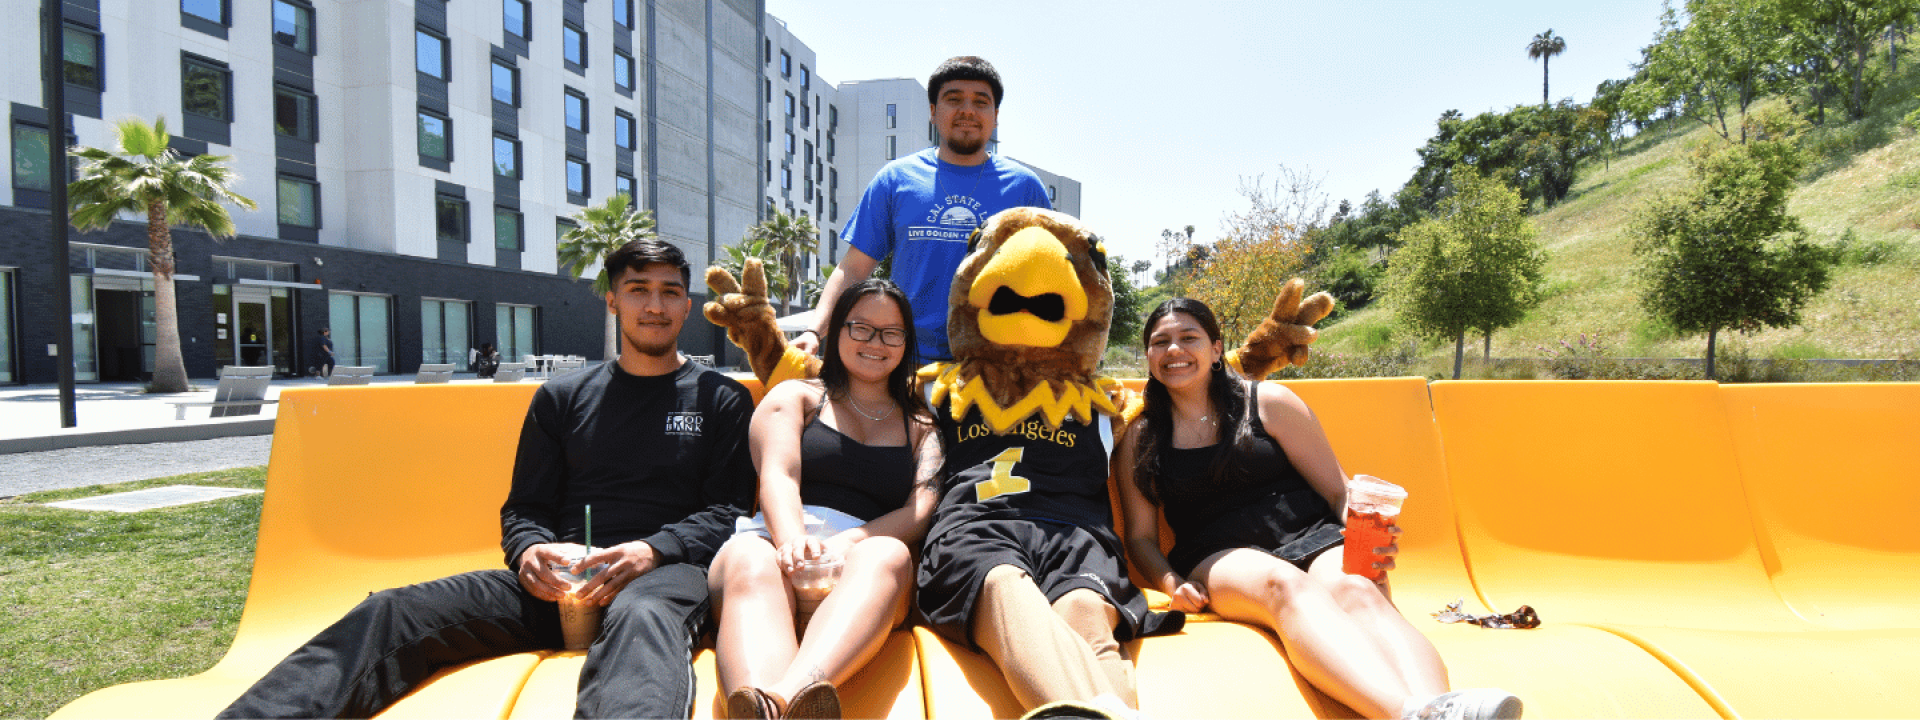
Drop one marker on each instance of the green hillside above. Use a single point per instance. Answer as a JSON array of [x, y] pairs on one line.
[[1863, 194]]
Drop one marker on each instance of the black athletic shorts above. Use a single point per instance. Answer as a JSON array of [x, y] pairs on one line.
[[1061, 558]]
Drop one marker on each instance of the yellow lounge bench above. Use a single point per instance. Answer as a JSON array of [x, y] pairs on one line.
[[358, 500], [1622, 506]]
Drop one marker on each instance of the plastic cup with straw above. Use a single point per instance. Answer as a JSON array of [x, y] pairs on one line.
[[580, 622]]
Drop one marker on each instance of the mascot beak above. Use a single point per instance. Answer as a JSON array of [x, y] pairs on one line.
[[1028, 294]]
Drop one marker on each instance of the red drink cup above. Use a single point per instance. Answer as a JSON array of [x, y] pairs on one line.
[[1373, 508]]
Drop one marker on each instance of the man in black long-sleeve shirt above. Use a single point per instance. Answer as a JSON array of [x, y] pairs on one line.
[[657, 445]]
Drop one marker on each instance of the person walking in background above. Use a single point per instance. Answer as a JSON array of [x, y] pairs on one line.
[[921, 208], [325, 353]]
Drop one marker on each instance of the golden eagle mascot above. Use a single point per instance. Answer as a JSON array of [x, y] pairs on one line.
[[1022, 561]]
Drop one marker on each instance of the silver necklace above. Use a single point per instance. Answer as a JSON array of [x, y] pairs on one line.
[[884, 414]]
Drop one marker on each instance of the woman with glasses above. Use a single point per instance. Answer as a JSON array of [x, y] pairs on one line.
[[846, 468], [1251, 490]]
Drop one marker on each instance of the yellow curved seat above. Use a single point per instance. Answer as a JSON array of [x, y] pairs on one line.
[[1621, 506], [1832, 472]]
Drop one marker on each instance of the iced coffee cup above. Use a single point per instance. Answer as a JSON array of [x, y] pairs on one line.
[[1373, 508], [813, 580], [579, 620]]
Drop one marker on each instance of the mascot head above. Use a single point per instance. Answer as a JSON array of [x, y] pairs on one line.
[[1029, 311]]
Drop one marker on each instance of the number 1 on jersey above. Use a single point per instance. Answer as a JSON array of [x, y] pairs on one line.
[[1003, 481]]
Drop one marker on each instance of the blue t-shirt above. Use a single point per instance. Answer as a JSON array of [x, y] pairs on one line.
[[921, 209]]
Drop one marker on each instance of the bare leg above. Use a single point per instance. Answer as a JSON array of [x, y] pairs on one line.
[[1410, 652], [1043, 659], [1094, 619], [852, 623], [755, 606], [1340, 656]]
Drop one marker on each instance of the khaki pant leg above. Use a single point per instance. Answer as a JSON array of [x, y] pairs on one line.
[[1093, 619], [1043, 659]]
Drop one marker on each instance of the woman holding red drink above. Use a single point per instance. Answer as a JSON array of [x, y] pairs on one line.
[[1254, 496]]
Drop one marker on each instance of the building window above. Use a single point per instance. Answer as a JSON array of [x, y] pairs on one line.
[[623, 13], [623, 130], [809, 145], [573, 46], [1051, 193], [445, 332], [577, 176], [623, 184], [790, 112], [430, 54], [449, 218], [206, 88], [361, 326], [293, 114], [833, 117], [789, 143], [786, 64], [32, 158], [786, 177], [293, 25], [767, 53], [806, 78], [506, 157], [576, 107], [622, 70], [7, 373], [81, 48], [436, 136], [213, 11], [830, 145], [513, 18], [892, 147], [517, 329], [299, 202], [893, 117], [806, 113], [506, 83], [506, 229]]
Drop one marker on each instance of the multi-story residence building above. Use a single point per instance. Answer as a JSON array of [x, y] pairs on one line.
[[414, 162]]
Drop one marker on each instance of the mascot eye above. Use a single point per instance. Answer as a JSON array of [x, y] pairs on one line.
[[1049, 307], [973, 238], [1097, 250]]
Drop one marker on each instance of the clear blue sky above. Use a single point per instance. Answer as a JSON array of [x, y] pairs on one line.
[[1160, 108]]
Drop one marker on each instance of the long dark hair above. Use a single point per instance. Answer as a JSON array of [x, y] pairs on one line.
[[1226, 394], [833, 371]]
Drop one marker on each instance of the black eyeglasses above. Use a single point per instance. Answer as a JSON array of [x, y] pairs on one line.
[[862, 332]]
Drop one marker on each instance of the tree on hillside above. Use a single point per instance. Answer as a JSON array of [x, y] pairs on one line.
[[1474, 265], [1837, 38], [1173, 247], [1536, 149], [596, 233], [788, 240], [1717, 59], [145, 176], [1724, 254], [1262, 247], [1543, 48], [1129, 303]]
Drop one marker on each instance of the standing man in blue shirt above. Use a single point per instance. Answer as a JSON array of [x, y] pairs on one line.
[[920, 208]]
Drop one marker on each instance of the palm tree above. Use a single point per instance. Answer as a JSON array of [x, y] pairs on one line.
[[596, 233], [787, 240], [145, 176], [1543, 48]]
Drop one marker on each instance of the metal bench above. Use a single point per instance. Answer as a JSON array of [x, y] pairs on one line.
[[510, 373], [434, 374], [351, 375], [242, 390]]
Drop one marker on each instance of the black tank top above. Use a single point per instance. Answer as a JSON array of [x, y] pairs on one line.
[[861, 480], [1195, 504]]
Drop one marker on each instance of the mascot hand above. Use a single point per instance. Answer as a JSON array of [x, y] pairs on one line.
[[1282, 338], [741, 307]]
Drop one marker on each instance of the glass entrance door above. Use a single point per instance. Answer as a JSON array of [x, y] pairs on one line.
[[253, 326]]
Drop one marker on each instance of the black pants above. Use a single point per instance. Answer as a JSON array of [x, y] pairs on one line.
[[396, 639]]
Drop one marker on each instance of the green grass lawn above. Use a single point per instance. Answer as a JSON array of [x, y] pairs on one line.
[[103, 598]]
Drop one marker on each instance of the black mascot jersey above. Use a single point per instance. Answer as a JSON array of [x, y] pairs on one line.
[[1032, 472]]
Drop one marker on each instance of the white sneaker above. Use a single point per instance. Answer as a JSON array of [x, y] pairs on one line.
[[1471, 704]]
